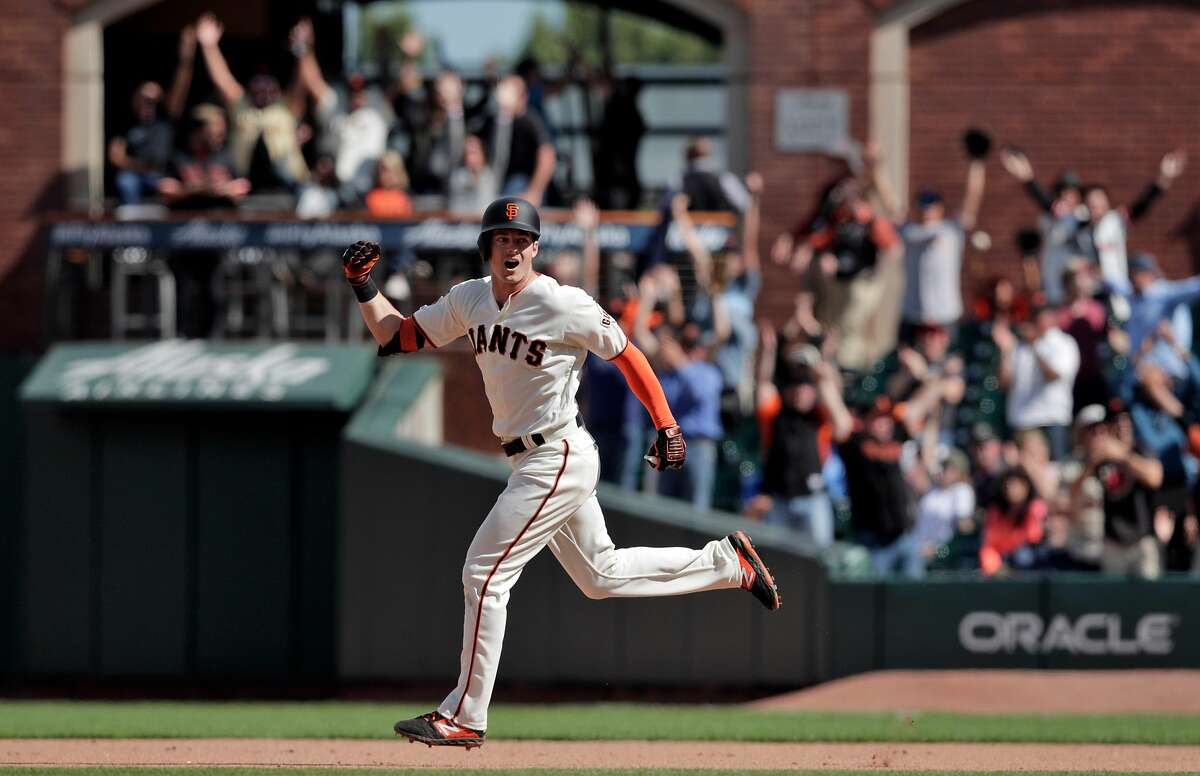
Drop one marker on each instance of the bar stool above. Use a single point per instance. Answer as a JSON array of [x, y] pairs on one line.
[[251, 302], [130, 263]]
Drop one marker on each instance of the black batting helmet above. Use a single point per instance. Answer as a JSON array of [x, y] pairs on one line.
[[508, 213]]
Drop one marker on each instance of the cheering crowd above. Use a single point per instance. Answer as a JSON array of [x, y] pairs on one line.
[[390, 147], [1054, 426], [1052, 423]]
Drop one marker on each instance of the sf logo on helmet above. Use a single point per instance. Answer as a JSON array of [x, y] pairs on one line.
[[511, 210]]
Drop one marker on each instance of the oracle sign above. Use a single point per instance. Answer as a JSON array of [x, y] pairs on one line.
[[1094, 633]]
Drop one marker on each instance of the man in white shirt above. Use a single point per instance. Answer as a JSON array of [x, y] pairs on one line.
[[1038, 374]]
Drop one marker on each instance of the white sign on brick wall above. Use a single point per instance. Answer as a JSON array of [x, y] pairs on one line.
[[812, 120]]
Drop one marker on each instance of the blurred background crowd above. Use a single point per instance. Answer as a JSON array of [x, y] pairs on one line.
[[895, 421]]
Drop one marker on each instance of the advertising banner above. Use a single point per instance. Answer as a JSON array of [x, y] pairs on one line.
[[1068, 622], [432, 234], [198, 372]]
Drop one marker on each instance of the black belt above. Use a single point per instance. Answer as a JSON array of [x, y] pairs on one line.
[[517, 446]]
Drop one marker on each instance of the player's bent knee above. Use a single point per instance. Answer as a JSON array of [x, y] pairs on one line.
[[473, 580]]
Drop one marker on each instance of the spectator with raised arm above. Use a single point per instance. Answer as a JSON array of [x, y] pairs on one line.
[[436, 147], [1153, 299], [1110, 225], [734, 276], [141, 155], [266, 136], [881, 499], [856, 252], [1062, 221], [580, 268], [706, 310], [800, 435], [354, 130], [933, 249], [791, 248]]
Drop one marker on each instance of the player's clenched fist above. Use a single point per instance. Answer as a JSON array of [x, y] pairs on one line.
[[357, 262], [669, 450]]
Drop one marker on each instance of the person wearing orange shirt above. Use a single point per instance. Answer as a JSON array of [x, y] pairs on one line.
[[1014, 525], [389, 198]]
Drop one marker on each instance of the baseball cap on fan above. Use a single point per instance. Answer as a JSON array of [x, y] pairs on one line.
[[1144, 262], [797, 364], [928, 198]]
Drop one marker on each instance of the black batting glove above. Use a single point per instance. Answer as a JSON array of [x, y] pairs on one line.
[[668, 451], [357, 262]]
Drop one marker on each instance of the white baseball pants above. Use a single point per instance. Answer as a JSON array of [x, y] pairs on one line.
[[551, 500]]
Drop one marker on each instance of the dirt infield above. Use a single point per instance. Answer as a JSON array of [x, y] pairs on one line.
[[956, 691], [595, 754], [999, 691]]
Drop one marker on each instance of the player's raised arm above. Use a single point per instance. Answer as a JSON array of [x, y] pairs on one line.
[[394, 332]]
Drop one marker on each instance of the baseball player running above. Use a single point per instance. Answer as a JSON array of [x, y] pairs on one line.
[[531, 337]]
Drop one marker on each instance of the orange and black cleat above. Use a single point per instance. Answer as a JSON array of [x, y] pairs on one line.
[[756, 577], [433, 729]]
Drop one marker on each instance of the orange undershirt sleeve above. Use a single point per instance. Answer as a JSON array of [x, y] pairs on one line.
[[409, 338], [644, 384]]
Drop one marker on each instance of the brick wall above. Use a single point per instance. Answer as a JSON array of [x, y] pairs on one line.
[[1098, 87], [31, 92], [819, 44]]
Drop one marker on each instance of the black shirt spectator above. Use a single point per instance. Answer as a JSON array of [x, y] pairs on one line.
[[520, 146], [141, 155], [1128, 510], [879, 496], [708, 188], [793, 465], [526, 135], [151, 143], [619, 136]]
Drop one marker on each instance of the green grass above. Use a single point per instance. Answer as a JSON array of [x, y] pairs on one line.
[[130, 771], [338, 719]]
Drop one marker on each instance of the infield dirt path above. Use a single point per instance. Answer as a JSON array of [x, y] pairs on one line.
[[1003, 691], [596, 754]]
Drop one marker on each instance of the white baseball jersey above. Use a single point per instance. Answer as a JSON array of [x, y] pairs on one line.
[[531, 350]]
